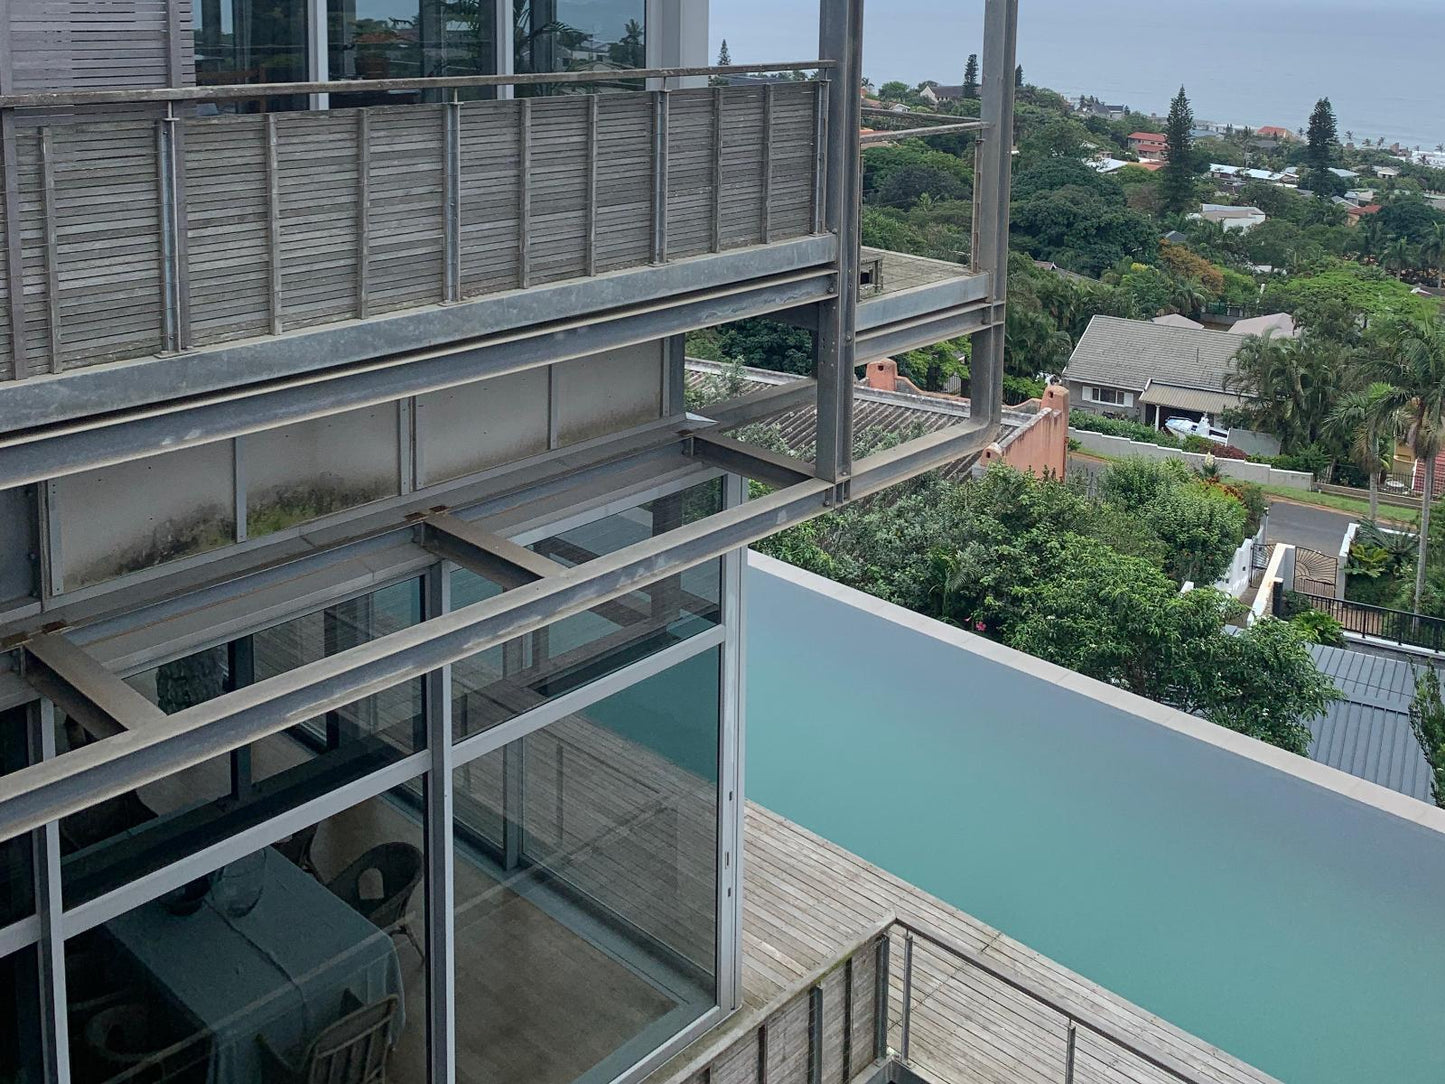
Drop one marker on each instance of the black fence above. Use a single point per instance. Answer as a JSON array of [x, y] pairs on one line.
[[1396, 626]]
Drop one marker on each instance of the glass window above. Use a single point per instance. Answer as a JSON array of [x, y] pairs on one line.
[[579, 35], [251, 41], [17, 874], [586, 885], [262, 969], [159, 823], [408, 39], [20, 1048], [505, 681]]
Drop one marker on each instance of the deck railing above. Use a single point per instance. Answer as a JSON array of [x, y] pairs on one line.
[[1397, 626], [123, 236]]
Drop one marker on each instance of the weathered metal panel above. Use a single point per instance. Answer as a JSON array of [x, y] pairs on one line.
[[407, 188], [228, 262], [794, 153], [557, 178], [490, 196], [689, 173], [317, 166], [624, 182]]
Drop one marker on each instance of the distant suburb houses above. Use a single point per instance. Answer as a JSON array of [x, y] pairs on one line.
[[1150, 146], [1151, 371]]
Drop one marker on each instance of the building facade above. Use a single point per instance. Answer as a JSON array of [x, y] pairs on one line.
[[370, 662]]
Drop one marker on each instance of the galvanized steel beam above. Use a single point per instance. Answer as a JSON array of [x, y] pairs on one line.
[[488, 555], [100, 702], [750, 461]]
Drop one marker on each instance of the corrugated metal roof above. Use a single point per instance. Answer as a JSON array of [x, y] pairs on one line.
[[1197, 399], [1368, 732], [883, 412], [1129, 354]]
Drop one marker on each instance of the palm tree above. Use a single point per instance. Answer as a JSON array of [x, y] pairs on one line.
[[1293, 383], [1360, 419], [1189, 297], [1409, 356], [1432, 252], [1399, 257]]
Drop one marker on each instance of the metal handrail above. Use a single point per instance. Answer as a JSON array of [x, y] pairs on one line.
[[1403, 627], [886, 135], [126, 96], [1074, 1017]]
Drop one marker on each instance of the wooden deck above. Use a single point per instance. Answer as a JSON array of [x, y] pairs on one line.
[[808, 901]]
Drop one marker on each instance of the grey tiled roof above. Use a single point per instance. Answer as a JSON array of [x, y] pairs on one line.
[[1368, 732], [1128, 354]]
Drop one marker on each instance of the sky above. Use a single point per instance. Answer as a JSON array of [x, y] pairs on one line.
[[1253, 62]]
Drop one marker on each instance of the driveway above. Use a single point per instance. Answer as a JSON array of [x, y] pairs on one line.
[[1307, 527]]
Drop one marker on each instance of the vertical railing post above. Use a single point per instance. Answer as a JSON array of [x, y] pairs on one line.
[[815, 1035], [991, 202], [765, 208], [52, 244], [1069, 1053], [848, 1020], [273, 222], [660, 118], [363, 212], [14, 256], [907, 1023], [452, 218], [841, 42], [882, 992], [717, 167], [167, 237], [524, 193], [594, 110], [820, 155]]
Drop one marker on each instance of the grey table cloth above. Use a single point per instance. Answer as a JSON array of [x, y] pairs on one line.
[[280, 971]]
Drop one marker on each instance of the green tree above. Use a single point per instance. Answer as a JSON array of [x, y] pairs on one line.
[[724, 58], [1019, 76], [893, 91], [1177, 176], [1399, 257], [1432, 252], [970, 76], [1370, 433], [1323, 136], [1427, 720], [1409, 357], [1293, 384]]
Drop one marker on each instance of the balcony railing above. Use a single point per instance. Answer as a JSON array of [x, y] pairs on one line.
[[1396, 626], [124, 237]]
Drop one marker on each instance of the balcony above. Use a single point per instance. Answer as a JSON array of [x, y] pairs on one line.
[[136, 237]]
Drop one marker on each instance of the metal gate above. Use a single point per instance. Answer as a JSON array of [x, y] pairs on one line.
[[1315, 573]]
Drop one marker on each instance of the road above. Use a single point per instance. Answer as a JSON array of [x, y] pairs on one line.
[[1308, 527]]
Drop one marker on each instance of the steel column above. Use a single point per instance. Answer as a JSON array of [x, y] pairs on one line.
[[452, 203], [730, 777], [841, 40], [992, 186], [50, 905], [440, 881]]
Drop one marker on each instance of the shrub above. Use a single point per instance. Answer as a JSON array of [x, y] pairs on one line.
[[1319, 628], [1115, 427]]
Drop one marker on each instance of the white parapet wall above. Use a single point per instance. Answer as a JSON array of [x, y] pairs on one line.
[[1259, 473]]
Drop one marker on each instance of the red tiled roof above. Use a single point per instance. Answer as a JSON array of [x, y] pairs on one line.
[[1154, 137], [1367, 209]]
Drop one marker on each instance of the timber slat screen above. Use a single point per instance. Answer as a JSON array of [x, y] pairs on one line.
[[143, 236]]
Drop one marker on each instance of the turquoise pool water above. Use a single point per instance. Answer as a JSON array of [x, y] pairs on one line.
[[1297, 929]]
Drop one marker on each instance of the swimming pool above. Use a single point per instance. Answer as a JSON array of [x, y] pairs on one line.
[[1240, 899]]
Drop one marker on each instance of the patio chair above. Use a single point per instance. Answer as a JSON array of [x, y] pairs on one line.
[[296, 848], [351, 1051], [399, 866]]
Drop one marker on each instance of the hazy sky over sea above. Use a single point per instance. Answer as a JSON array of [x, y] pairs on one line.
[[1251, 62]]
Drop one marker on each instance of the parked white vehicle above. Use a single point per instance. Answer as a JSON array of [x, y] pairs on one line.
[[1183, 427]]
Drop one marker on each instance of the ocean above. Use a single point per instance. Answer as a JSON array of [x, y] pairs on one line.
[[1255, 62]]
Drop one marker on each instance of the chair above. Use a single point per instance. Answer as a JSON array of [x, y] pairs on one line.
[[400, 868], [350, 1051], [296, 848]]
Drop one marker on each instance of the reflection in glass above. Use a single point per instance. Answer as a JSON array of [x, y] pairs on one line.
[[144, 829], [20, 1018], [579, 35], [324, 955], [17, 875], [251, 41], [586, 887], [408, 39]]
